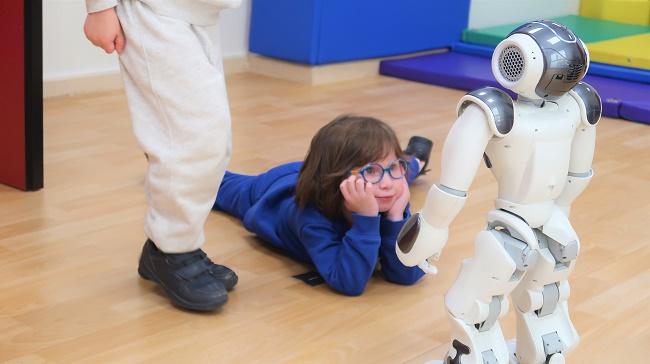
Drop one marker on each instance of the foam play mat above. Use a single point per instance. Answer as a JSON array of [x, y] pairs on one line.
[[633, 51], [588, 29], [624, 11], [621, 99], [595, 68]]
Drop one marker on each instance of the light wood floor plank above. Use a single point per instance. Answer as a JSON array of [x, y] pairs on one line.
[[68, 254]]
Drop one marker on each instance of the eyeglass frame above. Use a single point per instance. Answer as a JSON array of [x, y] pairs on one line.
[[359, 171]]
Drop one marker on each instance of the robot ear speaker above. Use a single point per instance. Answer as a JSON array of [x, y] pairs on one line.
[[511, 63]]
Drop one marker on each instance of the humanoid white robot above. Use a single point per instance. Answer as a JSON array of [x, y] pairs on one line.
[[540, 149]]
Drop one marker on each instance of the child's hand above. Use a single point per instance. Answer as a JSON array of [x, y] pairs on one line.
[[103, 29], [359, 196], [396, 212]]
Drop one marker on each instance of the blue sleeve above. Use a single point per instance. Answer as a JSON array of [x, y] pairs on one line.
[[392, 269], [347, 263]]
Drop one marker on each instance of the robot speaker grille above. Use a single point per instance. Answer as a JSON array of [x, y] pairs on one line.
[[511, 63]]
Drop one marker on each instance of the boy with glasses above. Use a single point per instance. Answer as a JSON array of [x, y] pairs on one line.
[[341, 209]]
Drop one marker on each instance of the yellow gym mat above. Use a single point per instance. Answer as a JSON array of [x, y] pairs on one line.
[[632, 51], [624, 11]]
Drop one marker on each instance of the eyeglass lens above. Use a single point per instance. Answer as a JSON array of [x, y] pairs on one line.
[[374, 172]]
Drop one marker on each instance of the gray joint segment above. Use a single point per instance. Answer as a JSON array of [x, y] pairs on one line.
[[500, 105], [452, 191], [552, 343], [591, 100], [489, 357], [493, 315], [519, 251], [551, 296], [581, 175], [563, 253]]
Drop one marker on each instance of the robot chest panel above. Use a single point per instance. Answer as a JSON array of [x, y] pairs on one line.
[[532, 161], [551, 123]]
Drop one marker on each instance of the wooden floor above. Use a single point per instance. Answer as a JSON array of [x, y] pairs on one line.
[[69, 291]]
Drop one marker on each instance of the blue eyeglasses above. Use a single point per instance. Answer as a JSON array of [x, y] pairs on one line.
[[374, 172]]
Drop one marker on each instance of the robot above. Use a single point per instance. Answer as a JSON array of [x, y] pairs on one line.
[[540, 150]]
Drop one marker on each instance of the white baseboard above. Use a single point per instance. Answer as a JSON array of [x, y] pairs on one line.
[[89, 83], [232, 65], [320, 74], [313, 75], [109, 81]]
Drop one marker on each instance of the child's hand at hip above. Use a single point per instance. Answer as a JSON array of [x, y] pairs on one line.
[[396, 212], [359, 196], [103, 29]]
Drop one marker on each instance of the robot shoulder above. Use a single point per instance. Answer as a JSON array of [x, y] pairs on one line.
[[497, 105], [589, 102]]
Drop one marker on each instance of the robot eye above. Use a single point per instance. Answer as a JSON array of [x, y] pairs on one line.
[[511, 63]]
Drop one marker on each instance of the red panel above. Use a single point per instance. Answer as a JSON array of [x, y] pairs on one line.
[[12, 94]]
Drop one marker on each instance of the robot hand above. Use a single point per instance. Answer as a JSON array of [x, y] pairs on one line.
[[418, 242], [427, 267]]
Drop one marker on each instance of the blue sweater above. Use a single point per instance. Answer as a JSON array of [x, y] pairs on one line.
[[345, 255]]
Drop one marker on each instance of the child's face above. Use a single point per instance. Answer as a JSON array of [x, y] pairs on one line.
[[388, 190]]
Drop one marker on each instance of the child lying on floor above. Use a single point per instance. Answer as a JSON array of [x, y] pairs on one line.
[[339, 210]]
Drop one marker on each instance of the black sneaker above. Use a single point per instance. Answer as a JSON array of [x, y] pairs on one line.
[[186, 278], [225, 275], [420, 148]]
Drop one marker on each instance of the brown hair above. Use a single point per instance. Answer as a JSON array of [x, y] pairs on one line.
[[343, 144]]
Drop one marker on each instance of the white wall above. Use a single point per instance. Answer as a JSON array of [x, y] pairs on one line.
[[486, 13], [68, 55]]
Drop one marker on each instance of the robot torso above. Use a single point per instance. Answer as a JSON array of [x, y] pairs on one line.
[[531, 162], [530, 152]]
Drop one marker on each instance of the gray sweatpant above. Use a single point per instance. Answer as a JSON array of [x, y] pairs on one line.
[[173, 76]]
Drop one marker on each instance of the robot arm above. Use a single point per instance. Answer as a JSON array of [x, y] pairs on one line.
[[580, 172], [425, 233], [584, 143], [463, 150]]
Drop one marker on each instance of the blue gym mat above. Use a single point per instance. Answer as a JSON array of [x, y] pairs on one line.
[[621, 99], [595, 68]]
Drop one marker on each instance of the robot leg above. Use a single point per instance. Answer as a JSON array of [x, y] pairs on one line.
[[478, 298], [545, 332]]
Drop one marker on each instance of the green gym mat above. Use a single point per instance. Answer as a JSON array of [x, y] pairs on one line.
[[588, 29]]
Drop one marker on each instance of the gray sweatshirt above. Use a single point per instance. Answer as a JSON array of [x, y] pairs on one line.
[[198, 12]]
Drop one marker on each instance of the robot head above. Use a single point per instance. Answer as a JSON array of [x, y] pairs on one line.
[[540, 60]]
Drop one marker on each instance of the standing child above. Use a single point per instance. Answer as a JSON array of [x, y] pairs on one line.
[[339, 210], [173, 76]]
